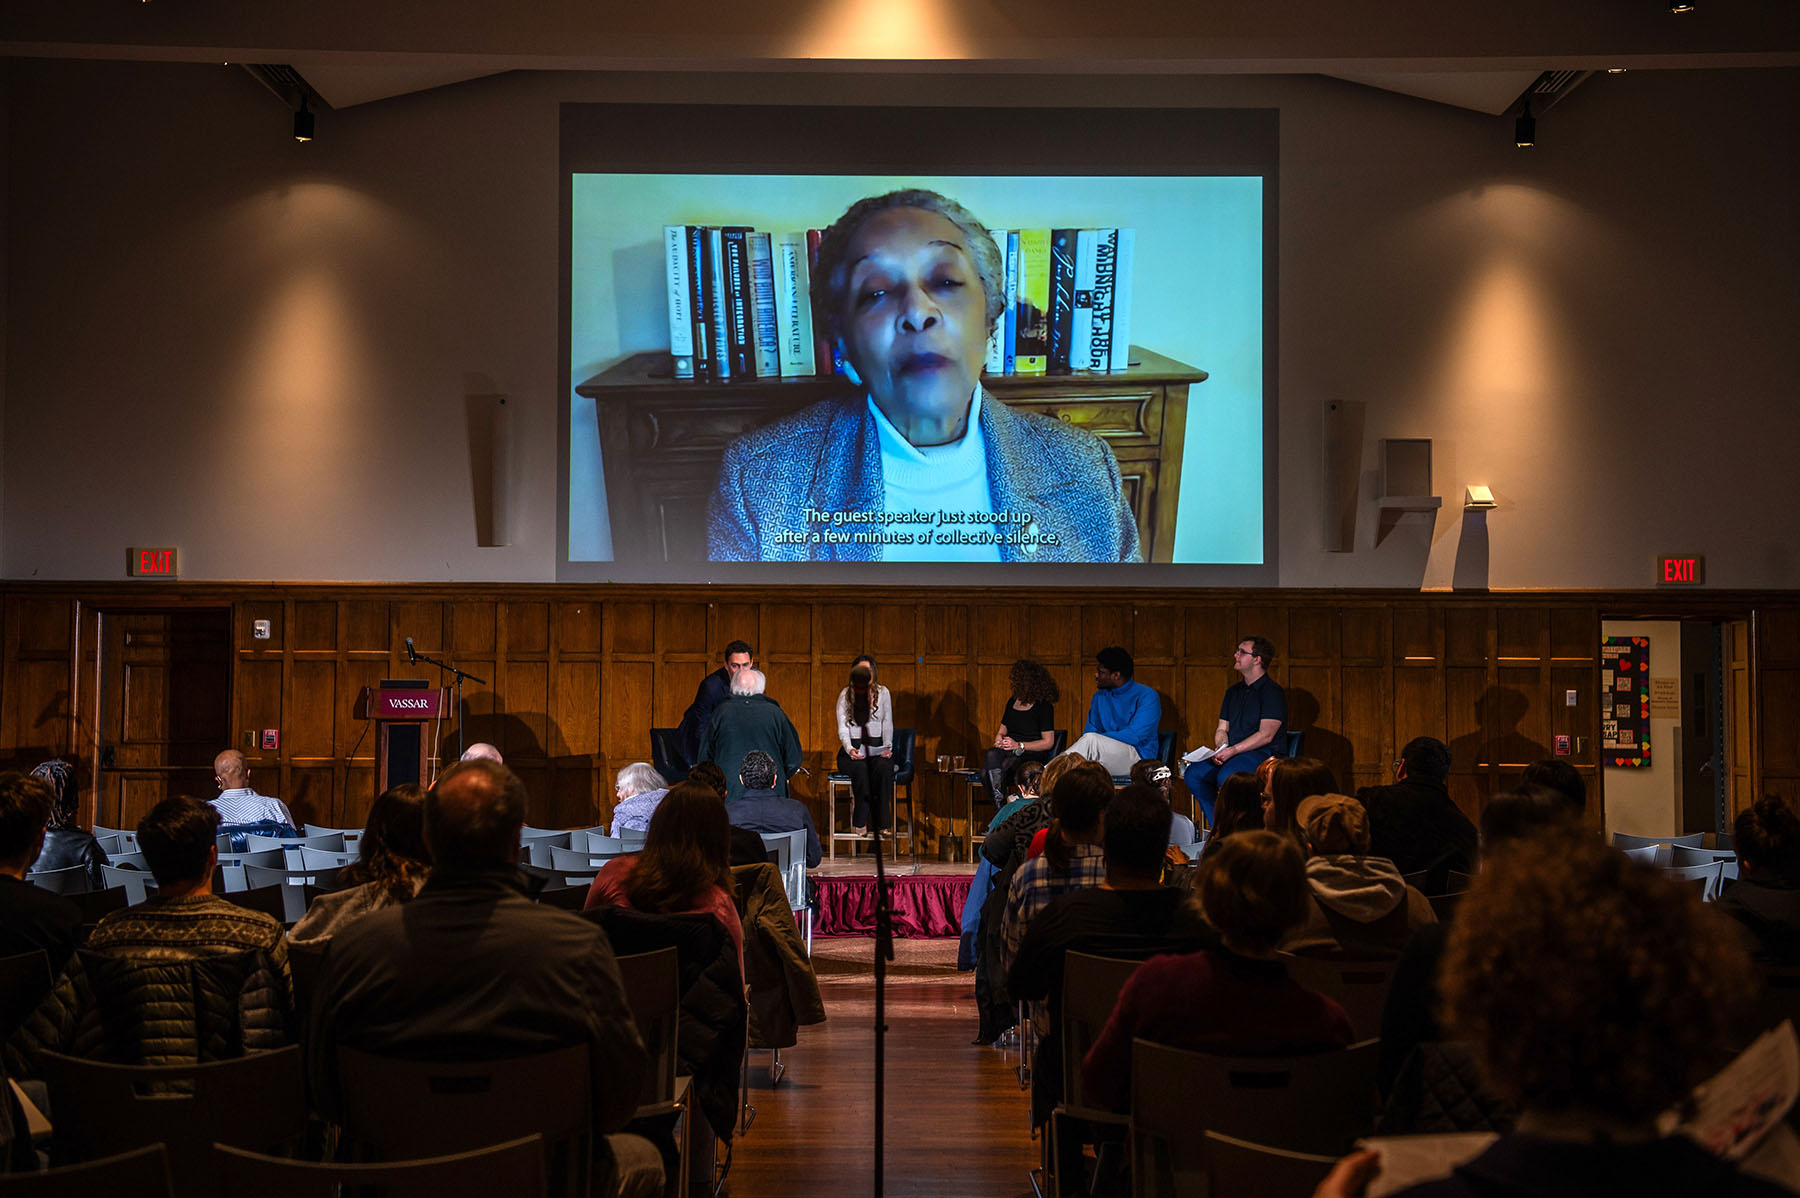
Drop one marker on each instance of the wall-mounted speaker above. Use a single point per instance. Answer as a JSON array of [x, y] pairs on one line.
[[490, 424], [1342, 478]]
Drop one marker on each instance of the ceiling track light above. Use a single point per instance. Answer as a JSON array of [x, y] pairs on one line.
[[1525, 128], [303, 122]]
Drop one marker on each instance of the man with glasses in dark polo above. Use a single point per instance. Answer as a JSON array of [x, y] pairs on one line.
[[1251, 717]]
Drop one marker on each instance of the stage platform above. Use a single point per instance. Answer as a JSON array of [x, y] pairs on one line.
[[927, 897]]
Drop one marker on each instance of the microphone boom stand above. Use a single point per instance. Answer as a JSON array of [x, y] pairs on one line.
[[884, 952], [460, 675]]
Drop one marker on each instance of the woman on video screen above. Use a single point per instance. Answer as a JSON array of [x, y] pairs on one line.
[[924, 465]]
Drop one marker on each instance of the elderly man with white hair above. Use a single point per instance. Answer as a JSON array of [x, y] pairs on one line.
[[482, 751], [748, 720], [639, 789]]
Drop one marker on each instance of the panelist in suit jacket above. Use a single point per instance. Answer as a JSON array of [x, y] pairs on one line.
[[909, 285]]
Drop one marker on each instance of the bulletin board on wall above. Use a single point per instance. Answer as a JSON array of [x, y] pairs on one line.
[[1625, 712]]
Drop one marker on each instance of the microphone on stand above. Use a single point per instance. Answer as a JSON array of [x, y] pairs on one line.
[[412, 657]]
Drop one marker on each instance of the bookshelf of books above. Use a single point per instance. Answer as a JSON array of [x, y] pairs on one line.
[[661, 438]]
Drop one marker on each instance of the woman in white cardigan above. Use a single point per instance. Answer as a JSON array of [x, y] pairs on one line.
[[865, 724]]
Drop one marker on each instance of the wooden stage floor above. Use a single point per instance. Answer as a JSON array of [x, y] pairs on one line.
[[955, 1114]]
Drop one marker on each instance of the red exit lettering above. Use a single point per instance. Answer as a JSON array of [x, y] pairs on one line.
[[1681, 569], [153, 563]]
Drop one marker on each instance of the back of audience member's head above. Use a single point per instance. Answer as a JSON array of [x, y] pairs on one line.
[[1334, 826], [1238, 808], [708, 773], [473, 815], [1029, 778], [1590, 983], [177, 838], [687, 851], [1055, 768], [1253, 890], [1290, 780], [1115, 659], [1561, 777], [1528, 811], [392, 852], [1426, 758], [1155, 774], [757, 771], [638, 778], [1137, 831], [748, 682], [1080, 797], [25, 805], [1767, 839]]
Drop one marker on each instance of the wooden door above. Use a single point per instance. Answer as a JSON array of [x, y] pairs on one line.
[[165, 708], [1740, 718]]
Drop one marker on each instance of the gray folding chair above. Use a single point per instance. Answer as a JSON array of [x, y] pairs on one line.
[[1239, 1169], [72, 879], [231, 866], [293, 883], [1090, 990], [352, 836], [291, 845], [653, 992], [513, 1168], [142, 1173], [536, 843], [1704, 878], [1359, 984], [790, 858], [311, 858], [138, 883]]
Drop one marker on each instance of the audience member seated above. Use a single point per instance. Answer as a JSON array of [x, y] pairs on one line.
[[1765, 899], [243, 812], [1026, 730], [66, 842], [865, 728], [1160, 778], [184, 921], [713, 690], [30, 916], [1237, 998], [764, 808], [1008, 842], [390, 868], [1026, 779], [1415, 823], [750, 721], [685, 867], [1292, 779], [1130, 914], [1072, 857], [1596, 994], [472, 968], [639, 789], [1239, 809], [747, 847], [1558, 775], [482, 751], [1361, 906], [1122, 717]]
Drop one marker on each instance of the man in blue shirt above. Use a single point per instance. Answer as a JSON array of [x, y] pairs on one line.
[[762, 808], [1122, 719], [1251, 717]]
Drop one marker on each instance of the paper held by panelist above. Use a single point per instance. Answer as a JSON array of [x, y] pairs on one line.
[[1203, 753]]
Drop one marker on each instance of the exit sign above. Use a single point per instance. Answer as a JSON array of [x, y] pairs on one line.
[[151, 563], [1688, 571]]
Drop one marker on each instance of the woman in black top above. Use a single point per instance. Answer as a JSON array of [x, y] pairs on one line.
[[1025, 726]]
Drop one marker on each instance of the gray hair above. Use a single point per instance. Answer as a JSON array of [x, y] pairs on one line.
[[640, 776], [758, 770], [482, 751], [831, 275], [748, 682]]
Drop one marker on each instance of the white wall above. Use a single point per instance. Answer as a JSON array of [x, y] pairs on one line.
[[260, 351], [1646, 800]]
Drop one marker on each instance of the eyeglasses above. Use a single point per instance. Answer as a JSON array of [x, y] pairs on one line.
[[1398, 764]]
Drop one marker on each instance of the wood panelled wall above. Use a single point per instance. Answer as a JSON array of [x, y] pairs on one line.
[[577, 676]]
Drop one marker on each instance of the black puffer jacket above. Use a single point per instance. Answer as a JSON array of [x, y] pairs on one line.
[[64, 847], [155, 1011]]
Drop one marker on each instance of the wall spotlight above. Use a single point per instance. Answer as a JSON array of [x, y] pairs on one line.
[[303, 122], [1525, 129], [1680, 6]]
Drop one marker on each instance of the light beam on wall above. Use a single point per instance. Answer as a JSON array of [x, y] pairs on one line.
[[884, 29]]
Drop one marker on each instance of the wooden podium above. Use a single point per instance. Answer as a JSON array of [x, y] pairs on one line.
[[403, 747]]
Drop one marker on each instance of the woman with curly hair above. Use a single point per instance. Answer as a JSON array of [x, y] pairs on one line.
[[1025, 726], [1596, 994], [1292, 779], [685, 866], [391, 867]]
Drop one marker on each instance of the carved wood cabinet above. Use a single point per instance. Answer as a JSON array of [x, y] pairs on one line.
[[661, 439]]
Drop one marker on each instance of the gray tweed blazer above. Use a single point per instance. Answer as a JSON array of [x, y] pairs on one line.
[[827, 457]]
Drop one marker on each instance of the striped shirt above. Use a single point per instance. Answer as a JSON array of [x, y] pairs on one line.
[[241, 805]]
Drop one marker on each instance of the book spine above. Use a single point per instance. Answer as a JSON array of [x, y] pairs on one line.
[[1121, 323], [1062, 297], [1081, 328], [738, 304], [697, 301], [1012, 301], [681, 325], [996, 346], [762, 292], [716, 303], [1106, 276], [825, 357], [793, 305], [1032, 351]]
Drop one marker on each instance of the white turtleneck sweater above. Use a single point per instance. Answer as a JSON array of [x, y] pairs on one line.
[[937, 478]]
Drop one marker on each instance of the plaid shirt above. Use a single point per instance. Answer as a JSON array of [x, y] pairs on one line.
[[1035, 885]]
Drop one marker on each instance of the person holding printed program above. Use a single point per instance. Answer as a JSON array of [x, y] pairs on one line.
[[865, 724], [921, 464], [1122, 719], [1251, 717]]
